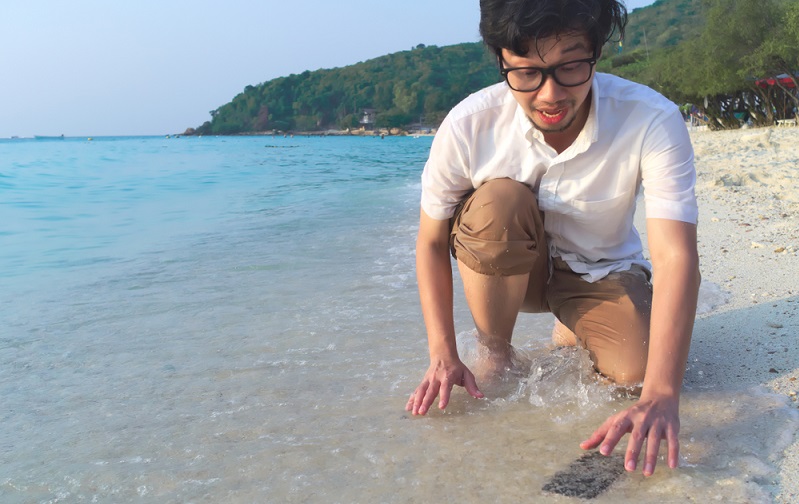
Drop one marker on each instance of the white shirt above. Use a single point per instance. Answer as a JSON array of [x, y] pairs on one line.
[[633, 138]]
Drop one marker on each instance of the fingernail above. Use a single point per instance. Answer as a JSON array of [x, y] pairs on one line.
[[604, 450], [648, 469], [631, 465]]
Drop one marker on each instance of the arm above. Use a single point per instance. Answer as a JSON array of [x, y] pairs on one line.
[[434, 276], [655, 416]]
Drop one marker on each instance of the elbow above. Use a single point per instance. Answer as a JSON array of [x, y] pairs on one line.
[[434, 247]]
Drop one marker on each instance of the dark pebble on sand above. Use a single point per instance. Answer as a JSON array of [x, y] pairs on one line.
[[586, 477]]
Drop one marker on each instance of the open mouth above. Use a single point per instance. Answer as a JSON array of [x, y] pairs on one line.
[[552, 116]]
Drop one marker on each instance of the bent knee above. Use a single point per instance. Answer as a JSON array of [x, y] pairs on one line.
[[497, 232], [629, 375], [505, 198]]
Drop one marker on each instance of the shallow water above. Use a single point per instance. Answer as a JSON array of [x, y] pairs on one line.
[[235, 320]]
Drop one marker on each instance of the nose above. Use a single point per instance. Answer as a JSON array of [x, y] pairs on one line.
[[551, 91]]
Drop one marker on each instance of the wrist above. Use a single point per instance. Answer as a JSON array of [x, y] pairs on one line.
[[663, 380], [444, 352], [660, 391]]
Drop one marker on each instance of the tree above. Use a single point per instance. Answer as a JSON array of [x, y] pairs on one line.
[[710, 70], [428, 80], [404, 98], [262, 120], [778, 54]]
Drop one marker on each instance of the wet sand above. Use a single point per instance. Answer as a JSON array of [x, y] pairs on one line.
[[739, 406], [748, 190]]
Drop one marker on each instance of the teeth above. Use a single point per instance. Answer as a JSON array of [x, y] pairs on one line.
[[551, 114]]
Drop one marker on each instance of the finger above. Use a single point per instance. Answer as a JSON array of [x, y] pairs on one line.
[[618, 428], [593, 441], [411, 401], [429, 396], [652, 449], [418, 397], [634, 445], [471, 385], [674, 447], [597, 437], [446, 388]]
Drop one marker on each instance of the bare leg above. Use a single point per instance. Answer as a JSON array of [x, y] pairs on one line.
[[494, 302], [499, 240]]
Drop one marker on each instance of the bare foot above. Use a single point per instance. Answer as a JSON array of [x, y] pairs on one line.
[[562, 335], [500, 366]]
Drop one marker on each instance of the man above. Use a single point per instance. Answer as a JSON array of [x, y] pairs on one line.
[[531, 184]]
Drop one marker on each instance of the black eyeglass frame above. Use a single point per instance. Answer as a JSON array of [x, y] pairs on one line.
[[546, 72]]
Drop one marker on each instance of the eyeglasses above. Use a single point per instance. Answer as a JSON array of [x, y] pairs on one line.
[[568, 74]]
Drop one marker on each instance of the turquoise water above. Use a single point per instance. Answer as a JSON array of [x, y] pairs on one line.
[[236, 320], [72, 204], [141, 275]]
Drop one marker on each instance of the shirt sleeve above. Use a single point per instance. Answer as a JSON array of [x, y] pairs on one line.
[[668, 172], [446, 176]]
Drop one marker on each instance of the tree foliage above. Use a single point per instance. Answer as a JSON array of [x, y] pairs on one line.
[[404, 87], [709, 53], [741, 43]]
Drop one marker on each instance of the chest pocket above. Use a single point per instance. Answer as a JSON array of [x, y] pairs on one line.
[[597, 225]]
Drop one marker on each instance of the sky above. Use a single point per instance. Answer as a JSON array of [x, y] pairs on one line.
[[147, 67]]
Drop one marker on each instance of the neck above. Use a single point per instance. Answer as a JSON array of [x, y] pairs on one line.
[[561, 140]]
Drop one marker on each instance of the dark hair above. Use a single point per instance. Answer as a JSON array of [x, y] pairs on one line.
[[512, 24]]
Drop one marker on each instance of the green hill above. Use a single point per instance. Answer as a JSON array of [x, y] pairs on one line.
[[401, 88], [664, 44], [664, 23]]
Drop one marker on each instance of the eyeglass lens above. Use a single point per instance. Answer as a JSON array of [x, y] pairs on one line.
[[568, 74]]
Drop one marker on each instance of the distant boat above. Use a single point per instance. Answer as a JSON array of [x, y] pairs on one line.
[[39, 137]]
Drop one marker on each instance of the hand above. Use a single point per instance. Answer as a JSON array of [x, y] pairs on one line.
[[439, 379], [648, 419]]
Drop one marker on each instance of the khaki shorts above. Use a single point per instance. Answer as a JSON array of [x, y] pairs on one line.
[[498, 230]]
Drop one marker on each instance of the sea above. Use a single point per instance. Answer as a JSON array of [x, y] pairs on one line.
[[235, 319]]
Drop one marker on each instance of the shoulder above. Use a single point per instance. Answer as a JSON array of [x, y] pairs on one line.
[[490, 101], [618, 93], [635, 111]]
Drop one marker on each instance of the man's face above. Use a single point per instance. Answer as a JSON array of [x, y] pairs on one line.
[[556, 110]]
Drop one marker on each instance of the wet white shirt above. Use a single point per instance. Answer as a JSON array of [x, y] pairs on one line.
[[633, 139]]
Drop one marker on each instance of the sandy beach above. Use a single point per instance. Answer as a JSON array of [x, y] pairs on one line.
[[748, 243]]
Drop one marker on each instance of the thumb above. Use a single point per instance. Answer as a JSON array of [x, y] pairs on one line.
[[471, 385]]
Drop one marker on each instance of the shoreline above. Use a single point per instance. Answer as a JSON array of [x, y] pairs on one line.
[[381, 132]]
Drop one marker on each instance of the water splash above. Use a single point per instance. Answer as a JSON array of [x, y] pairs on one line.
[[560, 380], [711, 296]]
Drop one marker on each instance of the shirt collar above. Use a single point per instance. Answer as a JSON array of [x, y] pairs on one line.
[[591, 129]]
